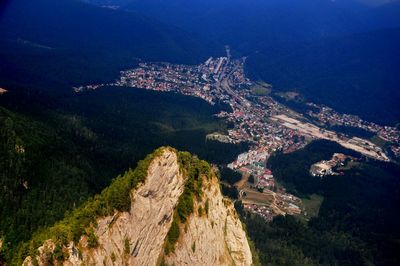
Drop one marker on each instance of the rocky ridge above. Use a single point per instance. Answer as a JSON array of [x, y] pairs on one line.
[[205, 231]]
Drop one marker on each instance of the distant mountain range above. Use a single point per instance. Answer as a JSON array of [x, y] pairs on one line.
[[330, 51]]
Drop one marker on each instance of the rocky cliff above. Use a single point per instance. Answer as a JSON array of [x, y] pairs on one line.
[[176, 216]]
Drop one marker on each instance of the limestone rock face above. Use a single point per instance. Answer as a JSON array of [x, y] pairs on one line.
[[214, 236]]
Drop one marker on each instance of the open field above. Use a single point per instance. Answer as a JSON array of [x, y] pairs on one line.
[[312, 205], [261, 88], [259, 198]]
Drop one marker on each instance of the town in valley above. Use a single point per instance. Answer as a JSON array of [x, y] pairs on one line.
[[258, 119]]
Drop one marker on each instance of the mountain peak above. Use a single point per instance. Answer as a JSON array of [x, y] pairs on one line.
[[176, 215]]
